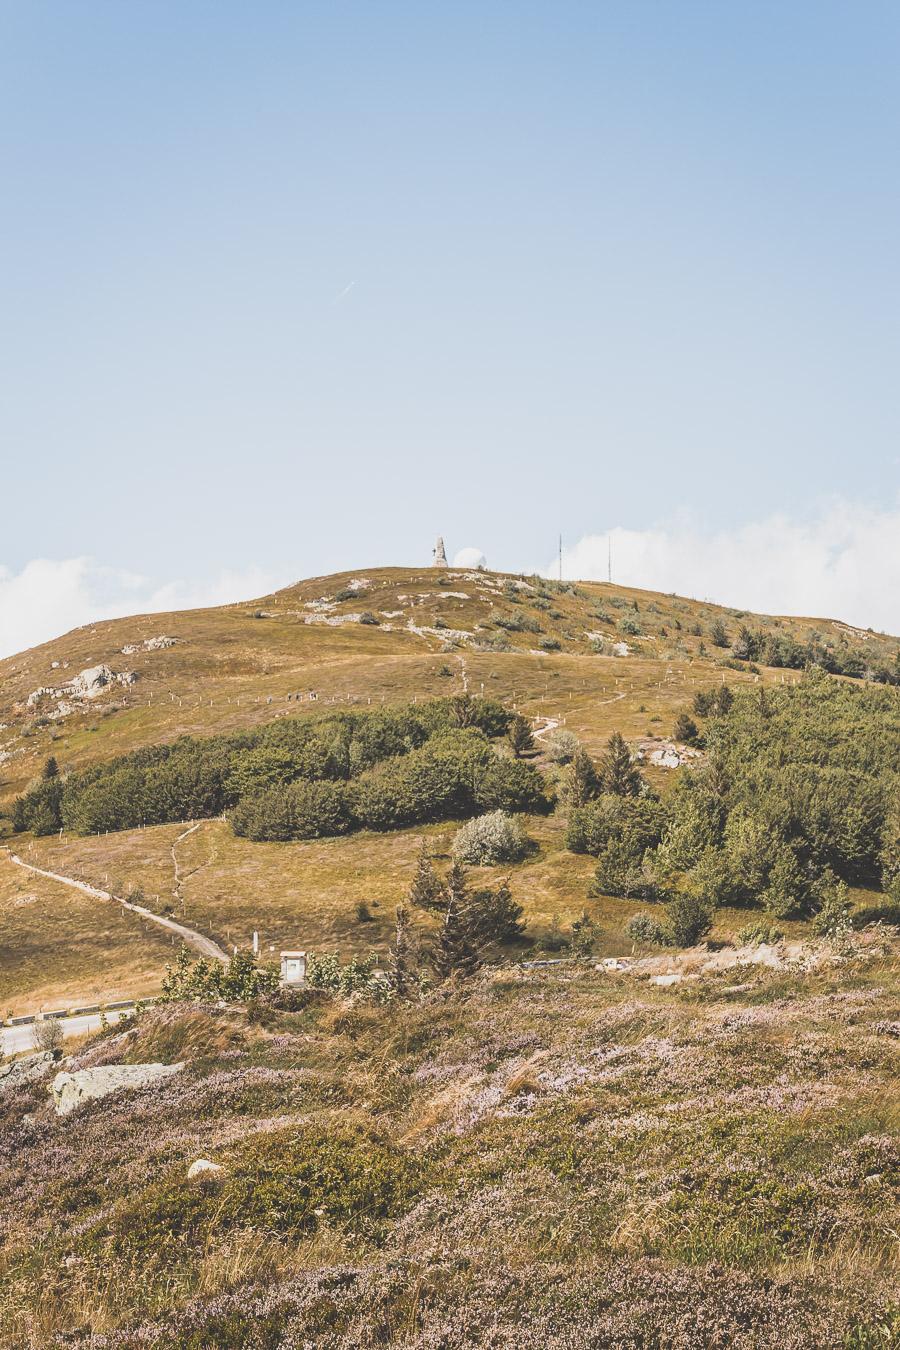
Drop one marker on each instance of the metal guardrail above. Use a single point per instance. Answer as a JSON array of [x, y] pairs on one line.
[[59, 1014]]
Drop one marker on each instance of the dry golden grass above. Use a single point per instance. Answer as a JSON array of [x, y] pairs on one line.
[[60, 948]]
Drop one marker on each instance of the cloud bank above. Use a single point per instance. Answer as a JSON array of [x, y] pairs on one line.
[[49, 597], [844, 564]]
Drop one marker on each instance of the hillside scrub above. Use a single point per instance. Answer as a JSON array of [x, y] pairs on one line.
[[800, 791], [539, 1159], [294, 779]]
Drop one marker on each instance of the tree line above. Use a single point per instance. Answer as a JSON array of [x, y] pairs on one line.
[[798, 797], [299, 778]]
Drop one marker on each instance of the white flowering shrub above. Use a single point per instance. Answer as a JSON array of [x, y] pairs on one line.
[[493, 838], [561, 746]]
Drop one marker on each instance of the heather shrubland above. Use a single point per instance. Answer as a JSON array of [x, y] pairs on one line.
[[536, 1156]]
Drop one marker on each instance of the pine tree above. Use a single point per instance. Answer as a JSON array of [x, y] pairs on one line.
[[618, 774], [458, 942], [724, 699], [685, 729], [51, 768], [718, 634], [520, 735], [498, 917], [399, 954], [582, 782], [427, 891]]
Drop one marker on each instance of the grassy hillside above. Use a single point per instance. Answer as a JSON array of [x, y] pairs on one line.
[[543, 648], [534, 1155], [227, 664], [540, 1159]]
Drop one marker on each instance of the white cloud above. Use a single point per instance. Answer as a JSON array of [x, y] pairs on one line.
[[48, 597], [844, 564]]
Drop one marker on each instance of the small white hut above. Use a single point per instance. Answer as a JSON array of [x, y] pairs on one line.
[[293, 967]]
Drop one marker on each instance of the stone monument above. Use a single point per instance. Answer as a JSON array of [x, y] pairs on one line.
[[440, 557]]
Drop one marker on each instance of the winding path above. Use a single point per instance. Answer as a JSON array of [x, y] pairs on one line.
[[202, 944], [180, 880]]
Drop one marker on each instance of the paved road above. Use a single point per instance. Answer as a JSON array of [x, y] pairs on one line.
[[15, 1039], [200, 943]]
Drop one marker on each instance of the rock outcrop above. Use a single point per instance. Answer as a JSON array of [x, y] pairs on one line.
[[156, 644], [71, 1089], [91, 682], [27, 1070]]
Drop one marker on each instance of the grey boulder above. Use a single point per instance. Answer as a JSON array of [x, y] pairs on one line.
[[71, 1089]]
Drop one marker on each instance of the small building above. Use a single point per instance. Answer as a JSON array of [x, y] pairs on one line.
[[293, 967]]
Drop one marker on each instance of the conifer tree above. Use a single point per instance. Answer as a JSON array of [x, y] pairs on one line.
[[51, 768], [520, 735], [582, 782], [618, 773], [498, 918], [427, 891], [724, 699], [399, 954], [718, 634], [458, 942], [685, 729]]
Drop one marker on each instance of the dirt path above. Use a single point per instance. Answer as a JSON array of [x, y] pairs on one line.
[[550, 724], [179, 879], [202, 944]]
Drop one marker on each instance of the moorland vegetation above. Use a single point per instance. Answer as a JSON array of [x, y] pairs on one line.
[[439, 1143]]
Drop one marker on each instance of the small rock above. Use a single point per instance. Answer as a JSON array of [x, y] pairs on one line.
[[203, 1167]]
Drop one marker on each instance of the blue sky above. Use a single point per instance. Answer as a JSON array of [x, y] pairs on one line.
[[610, 266]]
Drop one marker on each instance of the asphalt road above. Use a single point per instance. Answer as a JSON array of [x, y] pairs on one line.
[[15, 1039]]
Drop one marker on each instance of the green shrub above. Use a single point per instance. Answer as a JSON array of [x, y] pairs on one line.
[[788, 890], [645, 928], [490, 839], [283, 1183], [299, 811], [754, 934], [204, 981], [562, 746], [688, 919]]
